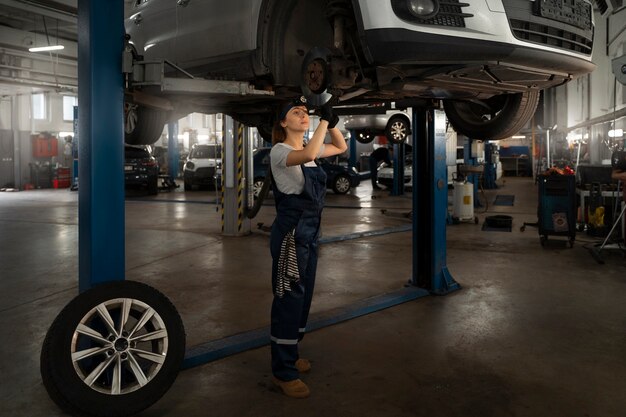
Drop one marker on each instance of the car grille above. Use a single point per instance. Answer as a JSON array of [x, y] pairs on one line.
[[206, 173], [546, 24], [450, 14], [551, 36]]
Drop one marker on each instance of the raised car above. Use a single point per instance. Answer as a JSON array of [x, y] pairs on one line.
[[486, 60], [394, 124]]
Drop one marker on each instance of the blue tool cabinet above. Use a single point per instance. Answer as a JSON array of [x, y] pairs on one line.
[[557, 207]]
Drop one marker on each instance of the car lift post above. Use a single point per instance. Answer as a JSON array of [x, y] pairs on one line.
[[430, 202], [352, 145], [101, 170], [398, 169], [173, 155], [234, 194]]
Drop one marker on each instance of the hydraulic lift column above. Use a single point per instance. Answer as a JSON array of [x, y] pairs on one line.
[[173, 154], [430, 202], [101, 170], [234, 178]]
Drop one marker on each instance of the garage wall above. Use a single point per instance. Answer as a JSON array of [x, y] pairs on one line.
[[592, 96]]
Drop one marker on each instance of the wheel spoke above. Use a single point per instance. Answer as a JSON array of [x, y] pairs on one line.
[[136, 369], [126, 306], [147, 315], [116, 385], [153, 357], [159, 334], [89, 332], [91, 378], [106, 317], [87, 353]]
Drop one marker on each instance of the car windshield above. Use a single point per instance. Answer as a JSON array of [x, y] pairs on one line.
[[206, 152]]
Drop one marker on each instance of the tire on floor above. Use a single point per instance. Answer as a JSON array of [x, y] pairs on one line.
[[113, 351]]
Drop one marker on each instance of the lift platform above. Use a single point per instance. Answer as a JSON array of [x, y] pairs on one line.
[[153, 74]]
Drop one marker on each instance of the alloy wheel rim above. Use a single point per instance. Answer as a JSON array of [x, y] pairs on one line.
[[119, 346], [343, 184], [398, 131]]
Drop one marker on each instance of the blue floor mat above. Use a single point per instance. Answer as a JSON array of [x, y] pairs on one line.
[[504, 200]]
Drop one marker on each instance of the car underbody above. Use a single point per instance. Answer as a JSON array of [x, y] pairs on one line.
[[488, 96]]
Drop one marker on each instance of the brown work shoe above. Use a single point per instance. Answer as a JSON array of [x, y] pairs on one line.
[[293, 389], [303, 365]]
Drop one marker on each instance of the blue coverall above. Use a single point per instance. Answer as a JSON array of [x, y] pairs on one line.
[[294, 248]]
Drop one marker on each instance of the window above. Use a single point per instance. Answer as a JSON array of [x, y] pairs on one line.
[[39, 106], [68, 107]]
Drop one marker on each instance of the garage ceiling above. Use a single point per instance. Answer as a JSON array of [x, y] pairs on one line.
[[28, 23]]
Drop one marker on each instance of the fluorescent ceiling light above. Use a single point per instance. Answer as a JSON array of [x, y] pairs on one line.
[[46, 48], [519, 137]]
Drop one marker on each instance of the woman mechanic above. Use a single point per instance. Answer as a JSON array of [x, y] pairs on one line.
[[299, 188]]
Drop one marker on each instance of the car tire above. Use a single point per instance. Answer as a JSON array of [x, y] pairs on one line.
[[143, 125], [188, 186], [257, 186], [341, 184], [363, 136], [397, 129], [93, 363], [509, 114]]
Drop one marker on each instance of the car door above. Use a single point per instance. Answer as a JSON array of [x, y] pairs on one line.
[[152, 26], [212, 28]]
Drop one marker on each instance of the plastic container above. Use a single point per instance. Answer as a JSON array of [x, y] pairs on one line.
[[463, 200]]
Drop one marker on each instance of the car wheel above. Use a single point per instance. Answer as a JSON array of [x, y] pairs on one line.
[[114, 350], [364, 136], [397, 129], [257, 186], [498, 117], [188, 186], [142, 125], [341, 185]]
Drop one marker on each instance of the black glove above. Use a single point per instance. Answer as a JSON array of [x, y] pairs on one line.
[[326, 113]]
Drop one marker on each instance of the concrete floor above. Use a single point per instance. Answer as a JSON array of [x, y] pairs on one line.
[[534, 331]]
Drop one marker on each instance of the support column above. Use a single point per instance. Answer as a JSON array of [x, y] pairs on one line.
[[398, 169], [173, 156], [430, 203], [352, 161], [101, 152], [17, 148], [234, 222]]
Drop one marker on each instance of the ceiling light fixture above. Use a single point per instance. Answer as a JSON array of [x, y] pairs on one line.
[[46, 48]]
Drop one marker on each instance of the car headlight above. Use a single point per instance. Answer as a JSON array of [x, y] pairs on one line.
[[422, 8], [189, 165]]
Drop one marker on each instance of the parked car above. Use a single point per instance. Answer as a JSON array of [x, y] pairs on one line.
[[141, 169], [385, 172], [486, 60], [394, 124], [340, 179], [201, 165]]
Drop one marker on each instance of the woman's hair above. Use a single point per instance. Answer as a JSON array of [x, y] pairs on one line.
[[278, 133]]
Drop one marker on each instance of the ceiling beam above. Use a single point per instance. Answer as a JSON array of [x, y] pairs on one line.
[[23, 40], [66, 14]]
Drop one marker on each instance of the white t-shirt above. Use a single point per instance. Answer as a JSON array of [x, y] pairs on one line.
[[289, 180]]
